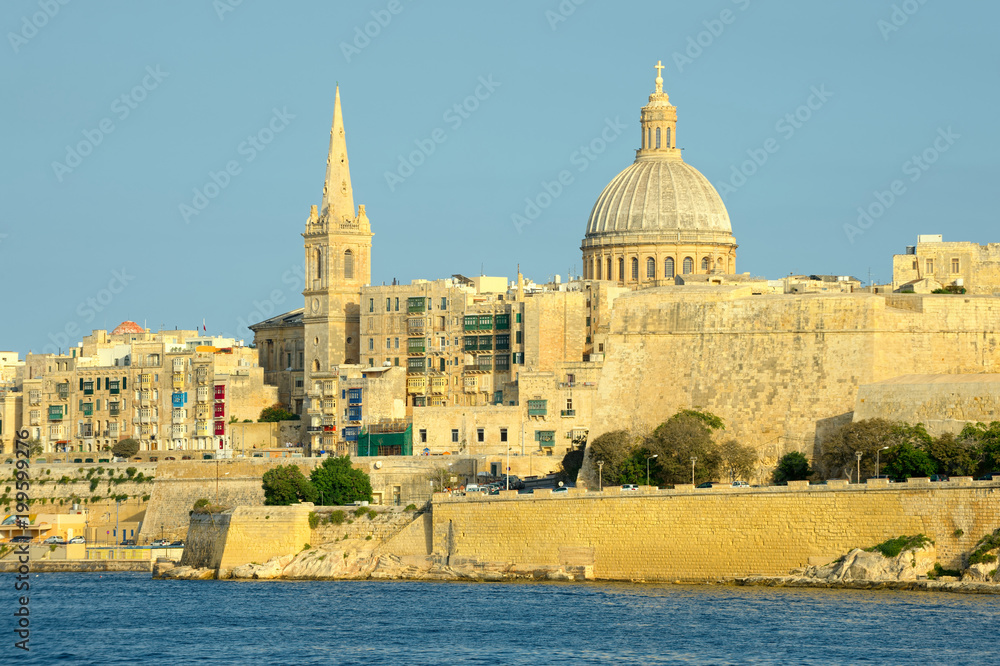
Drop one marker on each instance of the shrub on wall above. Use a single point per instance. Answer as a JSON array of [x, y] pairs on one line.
[[337, 483], [285, 484], [793, 466]]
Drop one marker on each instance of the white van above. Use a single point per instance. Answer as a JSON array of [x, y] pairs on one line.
[[472, 488]]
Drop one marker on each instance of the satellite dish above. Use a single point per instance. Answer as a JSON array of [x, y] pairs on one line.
[[378, 464]]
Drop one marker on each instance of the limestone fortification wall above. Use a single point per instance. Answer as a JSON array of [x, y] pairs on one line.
[[179, 484], [780, 370], [943, 403], [246, 534], [710, 534]]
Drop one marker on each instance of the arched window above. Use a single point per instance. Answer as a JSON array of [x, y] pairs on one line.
[[651, 268], [657, 137], [720, 265], [649, 137], [598, 262], [669, 145], [668, 267], [349, 265], [688, 265], [319, 264], [635, 268], [704, 263], [621, 269], [315, 365], [610, 276]]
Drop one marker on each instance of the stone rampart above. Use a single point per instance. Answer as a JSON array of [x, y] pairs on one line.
[[246, 534], [719, 533], [943, 403], [779, 370]]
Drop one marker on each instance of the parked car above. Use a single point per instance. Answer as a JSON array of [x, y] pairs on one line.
[[992, 476], [128, 542], [707, 484], [560, 490], [740, 484], [160, 543], [77, 539], [939, 477], [630, 486], [176, 544], [20, 539], [54, 539]]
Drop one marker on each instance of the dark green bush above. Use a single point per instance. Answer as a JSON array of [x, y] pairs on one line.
[[338, 517], [893, 547], [313, 520]]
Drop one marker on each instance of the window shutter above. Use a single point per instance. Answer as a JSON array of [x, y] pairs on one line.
[[81, 383]]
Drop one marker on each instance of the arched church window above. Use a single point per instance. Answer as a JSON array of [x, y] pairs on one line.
[[649, 137], [720, 264], [598, 262], [319, 264], [669, 145], [688, 265], [621, 269], [650, 268], [635, 268], [610, 276], [668, 267], [704, 263], [349, 265], [657, 137]]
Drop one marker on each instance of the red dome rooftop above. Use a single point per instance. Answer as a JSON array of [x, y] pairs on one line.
[[128, 327]]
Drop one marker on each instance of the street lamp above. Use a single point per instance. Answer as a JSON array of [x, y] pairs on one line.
[[694, 459], [600, 475], [858, 454], [656, 455], [877, 459]]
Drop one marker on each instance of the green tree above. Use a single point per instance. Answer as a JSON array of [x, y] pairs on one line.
[[35, 447], [571, 464], [276, 413], [285, 484], [954, 456], [793, 466], [613, 448], [867, 436], [338, 483], [126, 448], [986, 440], [738, 461], [905, 460], [683, 436]]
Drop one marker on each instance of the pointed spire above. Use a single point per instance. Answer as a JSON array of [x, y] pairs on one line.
[[338, 197]]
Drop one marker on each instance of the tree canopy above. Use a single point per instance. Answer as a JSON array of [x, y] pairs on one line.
[[338, 483], [285, 484], [126, 448], [793, 466], [275, 413]]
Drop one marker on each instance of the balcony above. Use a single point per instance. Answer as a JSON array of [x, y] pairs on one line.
[[416, 304], [178, 381], [55, 413], [86, 430], [485, 343], [537, 407], [567, 413], [416, 384], [416, 350]]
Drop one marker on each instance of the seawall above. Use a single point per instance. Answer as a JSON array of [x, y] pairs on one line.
[[688, 534]]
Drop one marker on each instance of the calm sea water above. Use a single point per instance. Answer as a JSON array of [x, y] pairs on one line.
[[129, 618]]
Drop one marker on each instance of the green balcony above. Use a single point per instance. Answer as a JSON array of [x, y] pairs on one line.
[[471, 343], [485, 342], [503, 322], [55, 413], [538, 407], [416, 305]]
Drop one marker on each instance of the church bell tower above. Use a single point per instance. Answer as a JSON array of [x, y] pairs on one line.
[[338, 264]]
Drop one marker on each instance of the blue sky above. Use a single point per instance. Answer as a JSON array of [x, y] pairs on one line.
[[164, 95]]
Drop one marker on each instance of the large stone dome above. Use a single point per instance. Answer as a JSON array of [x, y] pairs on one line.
[[653, 196], [660, 217]]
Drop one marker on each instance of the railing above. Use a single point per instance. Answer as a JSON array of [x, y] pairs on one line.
[[567, 412]]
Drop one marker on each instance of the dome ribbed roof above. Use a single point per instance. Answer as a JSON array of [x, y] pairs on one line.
[[659, 195], [127, 327]]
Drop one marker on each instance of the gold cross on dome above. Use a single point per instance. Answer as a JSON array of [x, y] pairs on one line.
[[659, 69]]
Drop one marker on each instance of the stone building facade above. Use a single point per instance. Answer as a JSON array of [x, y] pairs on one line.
[[172, 390], [938, 264]]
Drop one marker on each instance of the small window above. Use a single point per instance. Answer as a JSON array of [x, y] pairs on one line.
[[650, 268], [423, 435], [688, 265], [480, 434], [657, 137], [621, 269], [930, 266], [503, 434], [610, 276], [454, 435], [704, 263], [955, 265], [635, 268], [371, 305], [668, 267], [349, 265], [371, 344]]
